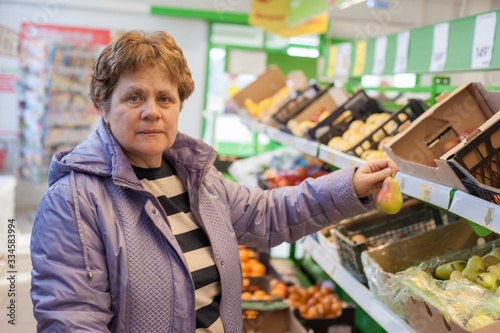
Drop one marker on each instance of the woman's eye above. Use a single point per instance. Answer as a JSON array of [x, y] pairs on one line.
[[134, 98], [165, 99]]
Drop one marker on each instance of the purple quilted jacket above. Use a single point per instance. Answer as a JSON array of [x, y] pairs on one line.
[[104, 258]]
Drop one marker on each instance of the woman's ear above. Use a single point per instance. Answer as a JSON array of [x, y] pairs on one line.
[[105, 117]]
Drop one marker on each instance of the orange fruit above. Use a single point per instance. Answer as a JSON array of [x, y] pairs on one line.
[[259, 295], [246, 296], [258, 269]]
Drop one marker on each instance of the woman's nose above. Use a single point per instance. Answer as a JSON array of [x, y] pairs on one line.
[[151, 111]]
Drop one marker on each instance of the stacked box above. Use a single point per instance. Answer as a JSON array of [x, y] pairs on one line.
[[418, 150]]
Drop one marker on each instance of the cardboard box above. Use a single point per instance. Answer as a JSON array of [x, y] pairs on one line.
[[331, 100], [266, 85], [426, 318], [272, 321], [381, 263], [417, 151]]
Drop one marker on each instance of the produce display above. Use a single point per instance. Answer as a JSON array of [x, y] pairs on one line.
[[292, 172], [250, 264], [312, 302], [465, 290], [359, 129], [268, 105]]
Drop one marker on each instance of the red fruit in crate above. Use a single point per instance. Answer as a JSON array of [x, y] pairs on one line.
[[301, 172], [466, 133]]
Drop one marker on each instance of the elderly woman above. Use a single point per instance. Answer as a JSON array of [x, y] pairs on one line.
[[139, 232]]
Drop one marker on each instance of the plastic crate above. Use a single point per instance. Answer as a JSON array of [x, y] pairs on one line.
[[360, 105], [413, 109], [344, 322], [476, 161], [378, 227], [295, 105]]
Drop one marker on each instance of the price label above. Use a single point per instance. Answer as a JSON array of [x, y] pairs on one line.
[[488, 216], [332, 56], [331, 159], [351, 163], [425, 192], [343, 61], [359, 62], [484, 38], [403, 42], [439, 46], [379, 56], [402, 183]]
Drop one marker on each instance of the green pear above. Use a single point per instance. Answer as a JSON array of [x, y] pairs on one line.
[[473, 268], [495, 252], [479, 321], [488, 280], [389, 198], [444, 271], [457, 275], [495, 269], [489, 260]]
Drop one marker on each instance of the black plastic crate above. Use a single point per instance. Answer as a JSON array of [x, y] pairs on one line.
[[321, 325], [379, 228], [412, 110], [297, 104], [477, 164], [361, 107]]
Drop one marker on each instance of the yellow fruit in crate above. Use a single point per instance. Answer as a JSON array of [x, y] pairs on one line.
[[346, 115], [390, 127], [479, 321], [402, 117], [323, 116], [356, 125], [378, 135], [367, 129], [372, 119], [353, 137]]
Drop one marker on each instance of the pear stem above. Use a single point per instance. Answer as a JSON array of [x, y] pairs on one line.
[[453, 268]]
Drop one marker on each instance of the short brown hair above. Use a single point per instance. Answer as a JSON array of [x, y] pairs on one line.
[[134, 50]]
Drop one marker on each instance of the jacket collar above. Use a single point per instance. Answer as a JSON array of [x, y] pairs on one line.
[[100, 154]]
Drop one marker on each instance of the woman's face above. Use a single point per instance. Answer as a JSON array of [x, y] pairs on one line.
[[144, 115]]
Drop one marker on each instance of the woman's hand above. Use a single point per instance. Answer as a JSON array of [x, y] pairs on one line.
[[368, 178]]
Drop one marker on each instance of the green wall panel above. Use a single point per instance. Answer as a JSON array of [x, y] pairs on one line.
[[420, 50], [495, 57], [370, 53], [288, 63], [460, 44], [390, 53]]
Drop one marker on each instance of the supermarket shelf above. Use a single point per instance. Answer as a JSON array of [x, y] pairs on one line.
[[463, 204], [477, 210], [430, 192], [338, 158], [303, 145], [356, 290]]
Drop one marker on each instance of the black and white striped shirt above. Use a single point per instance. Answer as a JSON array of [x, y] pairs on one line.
[[164, 184]]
